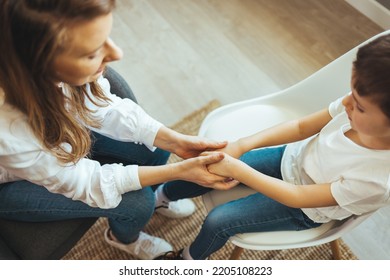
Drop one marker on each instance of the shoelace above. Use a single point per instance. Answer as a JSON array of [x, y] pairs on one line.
[[171, 255], [165, 204]]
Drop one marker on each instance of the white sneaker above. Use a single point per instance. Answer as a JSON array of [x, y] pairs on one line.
[[176, 209], [146, 247]]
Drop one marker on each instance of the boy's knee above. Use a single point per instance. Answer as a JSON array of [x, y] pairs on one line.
[[215, 219]]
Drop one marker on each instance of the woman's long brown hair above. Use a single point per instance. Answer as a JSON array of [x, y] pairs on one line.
[[33, 34]]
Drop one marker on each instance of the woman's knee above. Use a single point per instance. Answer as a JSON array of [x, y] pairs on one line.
[[158, 157], [137, 205]]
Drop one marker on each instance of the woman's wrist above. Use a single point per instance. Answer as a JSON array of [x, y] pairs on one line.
[[167, 139], [175, 171], [152, 175]]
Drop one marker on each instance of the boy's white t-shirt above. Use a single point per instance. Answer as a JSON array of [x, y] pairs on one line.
[[359, 177]]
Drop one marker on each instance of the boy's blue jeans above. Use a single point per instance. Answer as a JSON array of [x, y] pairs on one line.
[[254, 213], [25, 201]]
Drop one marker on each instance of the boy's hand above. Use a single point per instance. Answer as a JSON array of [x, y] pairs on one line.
[[224, 168], [233, 149]]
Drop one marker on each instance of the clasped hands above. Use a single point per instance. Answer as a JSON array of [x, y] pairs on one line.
[[208, 163]]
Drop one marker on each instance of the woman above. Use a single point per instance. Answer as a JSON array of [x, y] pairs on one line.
[[52, 95]]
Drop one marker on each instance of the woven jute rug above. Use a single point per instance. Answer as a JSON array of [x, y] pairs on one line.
[[180, 232]]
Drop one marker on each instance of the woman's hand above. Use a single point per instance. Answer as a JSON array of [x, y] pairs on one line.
[[192, 146], [192, 170], [185, 146], [196, 170]]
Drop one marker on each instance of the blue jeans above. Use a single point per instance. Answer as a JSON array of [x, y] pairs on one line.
[[25, 201], [254, 213]]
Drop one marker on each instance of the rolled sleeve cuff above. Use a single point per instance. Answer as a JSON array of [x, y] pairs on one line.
[[149, 132], [127, 179]]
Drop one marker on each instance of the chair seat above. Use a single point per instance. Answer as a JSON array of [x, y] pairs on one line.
[[266, 240], [284, 239], [248, 120]]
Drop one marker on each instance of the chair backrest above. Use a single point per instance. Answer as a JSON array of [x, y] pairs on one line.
[[307, 96]]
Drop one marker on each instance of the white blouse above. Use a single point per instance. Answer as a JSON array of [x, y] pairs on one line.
[[22, 157]]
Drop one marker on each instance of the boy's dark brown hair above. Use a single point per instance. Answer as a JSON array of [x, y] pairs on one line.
[[371, 71]]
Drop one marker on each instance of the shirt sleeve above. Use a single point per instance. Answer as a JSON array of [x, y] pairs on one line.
[[23, 158], [360, 197], [123, 119]]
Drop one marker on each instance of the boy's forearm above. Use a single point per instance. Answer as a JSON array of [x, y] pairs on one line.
[[287, 132], [280, 134], [297, 196], [269, 186]]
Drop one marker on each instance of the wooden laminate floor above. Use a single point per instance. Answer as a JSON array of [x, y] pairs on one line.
[[180, 54]]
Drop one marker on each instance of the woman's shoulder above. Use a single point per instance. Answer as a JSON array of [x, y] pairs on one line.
[[14, 127], [17, 138], [9, 114]]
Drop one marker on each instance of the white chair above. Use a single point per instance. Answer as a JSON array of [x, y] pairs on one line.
[[239, 119]]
